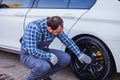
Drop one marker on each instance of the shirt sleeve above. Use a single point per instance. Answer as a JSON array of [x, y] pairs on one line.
[[70, 44], [32, 37]]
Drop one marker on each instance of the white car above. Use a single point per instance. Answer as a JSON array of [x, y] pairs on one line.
[[94, 25]]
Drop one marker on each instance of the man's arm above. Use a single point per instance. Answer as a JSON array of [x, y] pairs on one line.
[[74, 48], [69, 44]]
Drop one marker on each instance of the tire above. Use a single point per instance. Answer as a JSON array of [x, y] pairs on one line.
[[101, 66]]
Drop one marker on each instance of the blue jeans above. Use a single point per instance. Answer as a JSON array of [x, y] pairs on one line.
[[40, 68]]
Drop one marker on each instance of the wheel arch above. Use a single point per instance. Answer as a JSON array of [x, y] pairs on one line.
[[89, 35]]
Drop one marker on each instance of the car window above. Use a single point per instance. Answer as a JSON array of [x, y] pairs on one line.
[[0, 1], [16, 3], [82, 4], [53, 3]]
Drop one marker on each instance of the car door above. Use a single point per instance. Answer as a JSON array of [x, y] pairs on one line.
[[69, 10], [12, 17]]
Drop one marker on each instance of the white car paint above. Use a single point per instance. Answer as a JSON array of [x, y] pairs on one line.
[[11, 24], [101, 21]]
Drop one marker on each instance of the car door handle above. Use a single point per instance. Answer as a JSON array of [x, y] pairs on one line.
[[19, 14], [68, 16]]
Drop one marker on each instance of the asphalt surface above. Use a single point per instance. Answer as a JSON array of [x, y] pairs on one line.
[[12, 69]]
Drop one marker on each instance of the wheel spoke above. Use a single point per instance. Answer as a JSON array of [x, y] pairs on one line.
[[89, 48], [93, 71], [97, 68]]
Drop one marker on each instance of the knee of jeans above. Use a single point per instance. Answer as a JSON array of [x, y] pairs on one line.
[[66, 60], [42, 67]]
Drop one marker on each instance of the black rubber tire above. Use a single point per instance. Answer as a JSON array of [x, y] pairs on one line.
[[101, 65]]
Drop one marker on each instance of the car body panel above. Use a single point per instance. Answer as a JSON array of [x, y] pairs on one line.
[[101, 21], [11, 30], [105, 28]]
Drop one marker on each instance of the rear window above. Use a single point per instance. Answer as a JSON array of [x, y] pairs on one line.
[[81, 4], [68, 4], [53, 3]]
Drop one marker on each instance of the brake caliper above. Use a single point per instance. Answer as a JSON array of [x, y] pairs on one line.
[[99, 56]]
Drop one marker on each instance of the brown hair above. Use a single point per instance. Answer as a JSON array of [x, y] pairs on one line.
[[54, 22]]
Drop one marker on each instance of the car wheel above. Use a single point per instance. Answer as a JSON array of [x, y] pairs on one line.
[[101, 64]]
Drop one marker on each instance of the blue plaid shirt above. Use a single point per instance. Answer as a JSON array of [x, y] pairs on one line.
[[33, 36]]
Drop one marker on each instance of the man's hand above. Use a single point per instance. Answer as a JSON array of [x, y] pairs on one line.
[[54, 59], [85, 59]]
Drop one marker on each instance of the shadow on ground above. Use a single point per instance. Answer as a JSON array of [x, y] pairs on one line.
[[5, 77]]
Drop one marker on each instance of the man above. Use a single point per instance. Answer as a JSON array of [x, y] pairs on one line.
[[35, 52]]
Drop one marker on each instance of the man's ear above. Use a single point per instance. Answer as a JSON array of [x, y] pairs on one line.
[[49, 29]]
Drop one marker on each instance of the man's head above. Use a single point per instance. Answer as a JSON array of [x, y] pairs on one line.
[[55, 25]]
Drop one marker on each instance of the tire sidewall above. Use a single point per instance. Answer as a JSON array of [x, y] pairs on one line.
[[106, 55]]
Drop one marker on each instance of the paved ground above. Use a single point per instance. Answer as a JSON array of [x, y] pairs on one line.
[[12, 69]]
